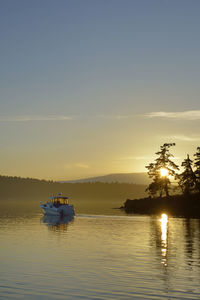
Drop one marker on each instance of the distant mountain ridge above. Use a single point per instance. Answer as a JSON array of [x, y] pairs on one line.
[[135, 178]]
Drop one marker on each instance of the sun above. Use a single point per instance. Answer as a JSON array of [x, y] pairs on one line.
[[164, 172]]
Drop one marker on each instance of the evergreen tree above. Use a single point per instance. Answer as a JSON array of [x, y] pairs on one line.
[[197, 168], [161, 181], [158, 186], [187, 179]]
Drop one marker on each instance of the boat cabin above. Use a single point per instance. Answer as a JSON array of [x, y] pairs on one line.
[[59, 200]]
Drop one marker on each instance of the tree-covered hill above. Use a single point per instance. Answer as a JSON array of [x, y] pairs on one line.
[[17, 187]]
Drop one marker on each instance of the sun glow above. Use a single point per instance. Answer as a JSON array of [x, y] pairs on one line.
[[164, 243], [164, 221], [164, 172]]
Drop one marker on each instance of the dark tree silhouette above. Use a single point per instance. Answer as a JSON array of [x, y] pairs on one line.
[[197, 168], [187, 179], [161, 183]]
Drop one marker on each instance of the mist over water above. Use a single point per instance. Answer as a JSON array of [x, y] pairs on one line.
[[97, 255]]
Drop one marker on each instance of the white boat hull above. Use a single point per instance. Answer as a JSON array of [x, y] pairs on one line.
[[63, 210]]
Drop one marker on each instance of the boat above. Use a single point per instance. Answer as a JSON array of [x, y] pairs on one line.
[[58, 206]]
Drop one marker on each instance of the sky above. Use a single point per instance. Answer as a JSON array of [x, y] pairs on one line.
[[93, 87]]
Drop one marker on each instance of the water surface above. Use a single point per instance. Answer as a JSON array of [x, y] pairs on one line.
[[97, 256]]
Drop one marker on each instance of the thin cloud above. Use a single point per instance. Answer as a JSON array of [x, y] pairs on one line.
[[139, 158], [77, 165], [185, 115], [142, 158], [185, 138], [136, 158], [115, 117], [82, 166], [28, 118], [133, 158]]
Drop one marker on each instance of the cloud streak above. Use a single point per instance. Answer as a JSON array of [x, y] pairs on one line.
[[34, 118], [184, 115], [132, 158], [115, 117], [184, 138], [77, 165], [135, 158]]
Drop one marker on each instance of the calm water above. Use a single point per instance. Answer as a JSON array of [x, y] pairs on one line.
[[97, 256]]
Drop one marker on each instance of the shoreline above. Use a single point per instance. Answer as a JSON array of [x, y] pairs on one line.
[[176, 205]]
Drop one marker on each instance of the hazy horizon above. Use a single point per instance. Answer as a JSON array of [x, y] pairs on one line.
[[80, 178]]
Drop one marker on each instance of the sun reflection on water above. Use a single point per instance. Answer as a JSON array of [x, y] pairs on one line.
[[164, 244]]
